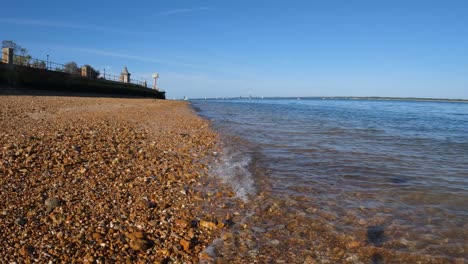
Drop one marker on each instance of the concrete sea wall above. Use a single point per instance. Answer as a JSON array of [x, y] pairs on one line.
[[15, 79]]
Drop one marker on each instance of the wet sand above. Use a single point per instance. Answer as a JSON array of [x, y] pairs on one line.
[[105, 180]]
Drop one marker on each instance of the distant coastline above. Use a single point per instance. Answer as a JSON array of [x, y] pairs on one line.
[[376, 98]]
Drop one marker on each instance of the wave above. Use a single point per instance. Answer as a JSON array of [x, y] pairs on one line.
[[232, 168]]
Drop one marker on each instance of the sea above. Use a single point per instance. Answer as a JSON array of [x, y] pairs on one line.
[[345, 180]]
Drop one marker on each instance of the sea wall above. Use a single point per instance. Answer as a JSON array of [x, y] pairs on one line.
[[15, 79]]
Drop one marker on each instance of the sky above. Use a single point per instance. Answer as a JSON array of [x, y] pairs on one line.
[[394, 48]]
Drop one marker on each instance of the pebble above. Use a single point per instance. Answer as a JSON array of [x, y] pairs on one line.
[[20, 221], [207, 224], [26, 250], [52, 203], [258, 229], [352, 244], [185, 245], [141, 244]]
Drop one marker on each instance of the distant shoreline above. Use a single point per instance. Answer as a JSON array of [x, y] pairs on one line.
[[347, 98]]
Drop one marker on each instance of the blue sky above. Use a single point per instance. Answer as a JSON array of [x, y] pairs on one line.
[[220, 48]]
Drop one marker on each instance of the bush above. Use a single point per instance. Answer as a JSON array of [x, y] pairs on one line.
[[71, 68]]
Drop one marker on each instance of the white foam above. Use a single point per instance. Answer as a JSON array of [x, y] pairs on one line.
[[233, 169]]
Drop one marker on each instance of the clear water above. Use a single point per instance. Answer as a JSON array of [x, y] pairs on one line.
[[398, 166]]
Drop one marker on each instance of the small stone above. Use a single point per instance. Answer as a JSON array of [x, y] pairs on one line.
[[205, 256], [275, 242], [151, 204], [309, 260], [185, 245], [207, 224], [352, 244], [128, 260], [141, 244], [258, 229], [181, 223], [52, 203], [88, 259], [26, 250], [135, 235], [20, 221], [291, 226], [362, 222], [190, 233], [97, 236]]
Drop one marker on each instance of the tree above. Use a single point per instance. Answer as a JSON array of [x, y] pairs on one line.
[[23, 58], [11, 44], [93, 73], [71, 68], [38, 64]]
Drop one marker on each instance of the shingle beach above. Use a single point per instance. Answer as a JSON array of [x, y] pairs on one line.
[[105, 180]]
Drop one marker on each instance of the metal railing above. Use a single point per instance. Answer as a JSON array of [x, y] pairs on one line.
[[28, 61], [115, 78], [110, 77]]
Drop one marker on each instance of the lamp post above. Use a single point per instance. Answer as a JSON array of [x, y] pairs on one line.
[[155, 76], [47, 64]]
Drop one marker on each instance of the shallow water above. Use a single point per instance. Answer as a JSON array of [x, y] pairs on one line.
[[391, 175]]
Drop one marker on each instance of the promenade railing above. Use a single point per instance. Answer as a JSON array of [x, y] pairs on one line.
[[28, 61]]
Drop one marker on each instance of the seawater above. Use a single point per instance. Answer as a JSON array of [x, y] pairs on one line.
[[388, 174]]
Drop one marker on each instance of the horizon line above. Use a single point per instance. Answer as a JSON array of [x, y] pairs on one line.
[[390, 98]]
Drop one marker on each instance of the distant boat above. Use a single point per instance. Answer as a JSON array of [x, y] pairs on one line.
[[298, 98], [262, 97]]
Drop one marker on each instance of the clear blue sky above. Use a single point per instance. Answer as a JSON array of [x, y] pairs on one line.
[[263, 48]]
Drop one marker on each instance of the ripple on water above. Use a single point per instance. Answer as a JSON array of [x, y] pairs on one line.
[[345, 181]]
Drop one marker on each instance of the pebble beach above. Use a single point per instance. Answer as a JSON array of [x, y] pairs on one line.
[[106, 180]]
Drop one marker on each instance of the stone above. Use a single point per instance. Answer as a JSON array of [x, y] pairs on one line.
[[97, 236], [20, 221], [185, 245], [352, 244], [275, 242], [181, 223], [52, 203], [205, 257], [26, 250], [151, 204], [207, 224], [135, 235], [141, 244], [258, 229], [362, 222]]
